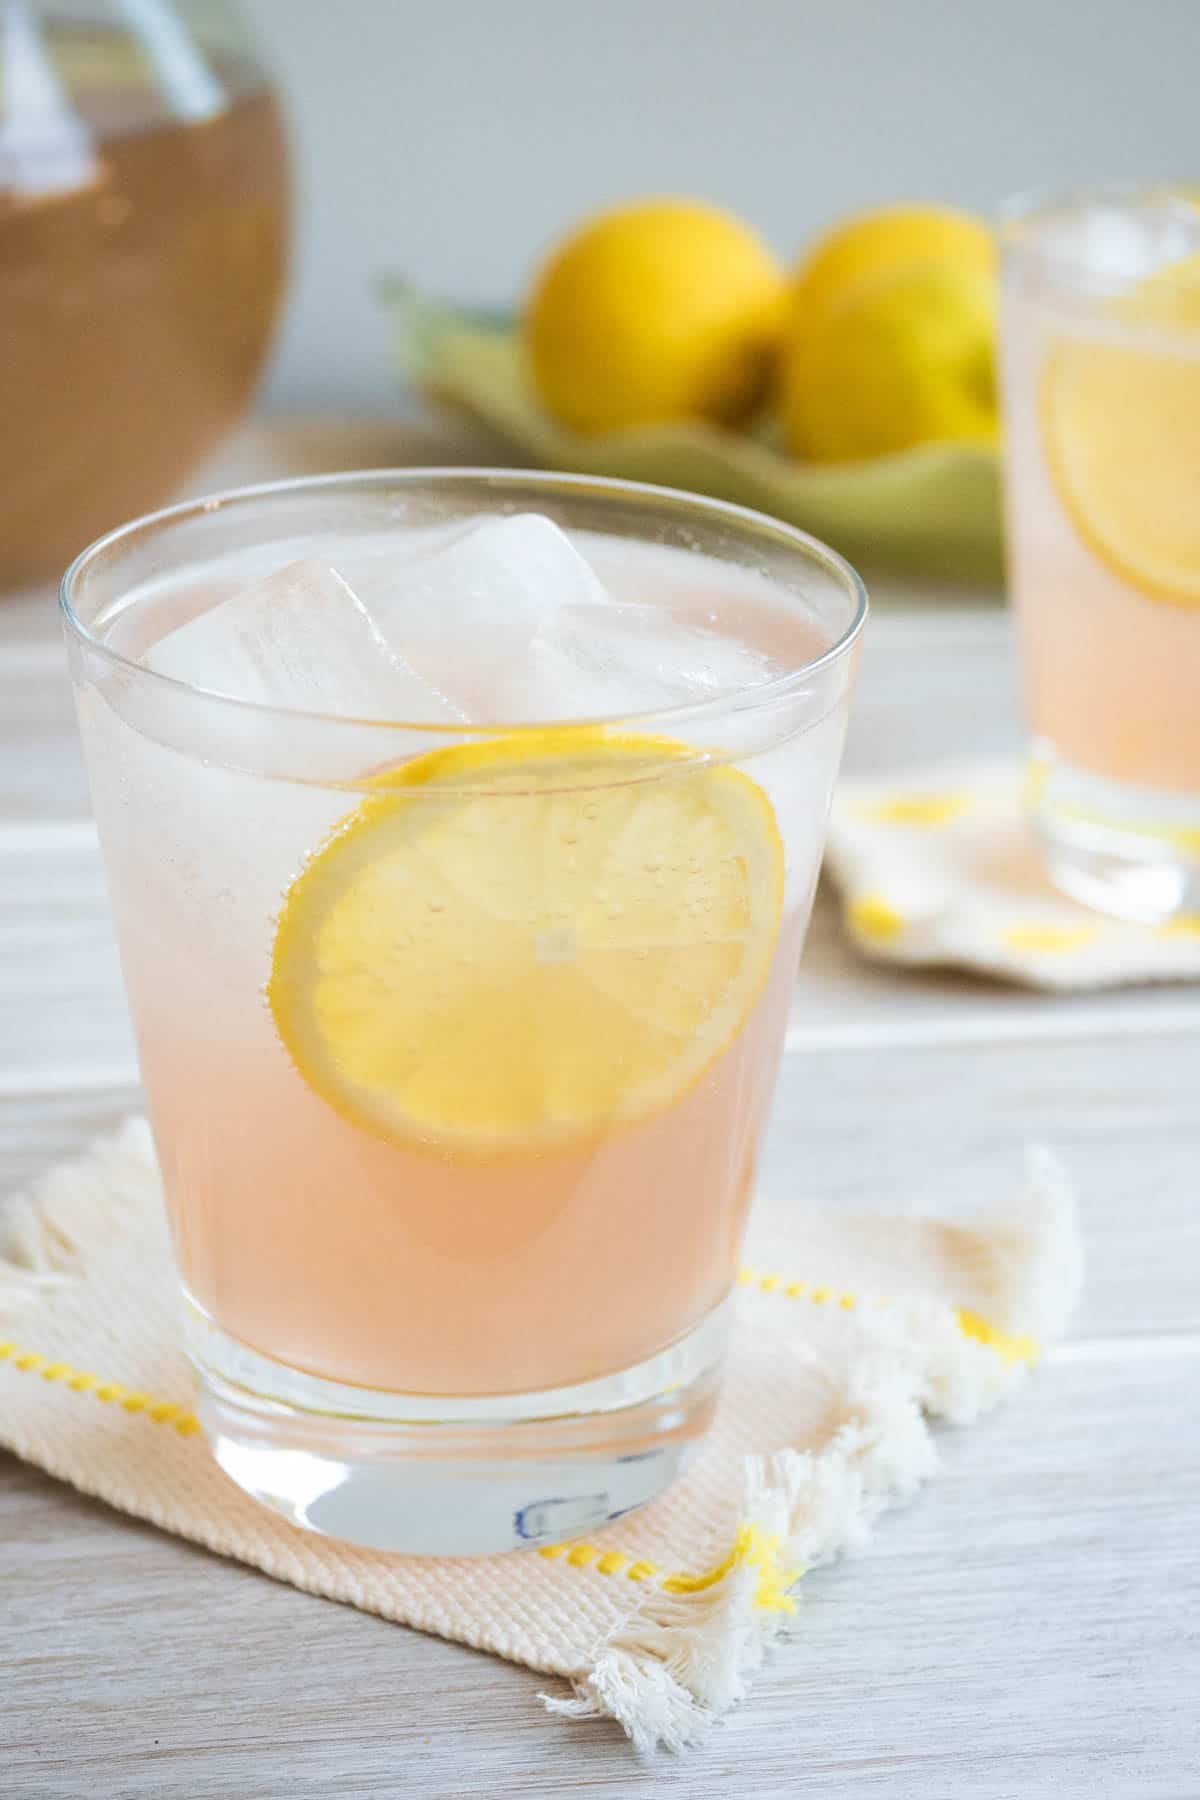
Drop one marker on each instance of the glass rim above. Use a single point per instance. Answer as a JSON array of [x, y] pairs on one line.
[[1017, 217], [735, 700]]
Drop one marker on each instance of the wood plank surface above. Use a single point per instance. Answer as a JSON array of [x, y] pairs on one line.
[[1026, 1629], [1023, 1630]]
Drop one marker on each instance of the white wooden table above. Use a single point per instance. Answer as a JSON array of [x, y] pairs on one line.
[[1029, 1628]]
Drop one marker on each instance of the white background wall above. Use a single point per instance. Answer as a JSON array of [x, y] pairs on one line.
[[451, 139]]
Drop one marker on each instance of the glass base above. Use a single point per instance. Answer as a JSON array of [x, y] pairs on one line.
[[434, 1476], [1133, 852]]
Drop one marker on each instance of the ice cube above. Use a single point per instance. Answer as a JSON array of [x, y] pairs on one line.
[[300, 639], [1112, 243], [464, 614], [596, 660], [653, 643]]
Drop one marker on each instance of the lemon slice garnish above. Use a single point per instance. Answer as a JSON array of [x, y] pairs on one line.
[[1121, 422], [525, 943]]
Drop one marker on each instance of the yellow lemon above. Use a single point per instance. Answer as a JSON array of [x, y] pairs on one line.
[[871, 245], [907, 359], [658, 311], [525, 943], [1121, 424]]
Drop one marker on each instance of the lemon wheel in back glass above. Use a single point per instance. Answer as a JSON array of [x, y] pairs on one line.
[[1121, 420]]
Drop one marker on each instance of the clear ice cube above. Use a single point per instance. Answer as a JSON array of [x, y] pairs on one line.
[[607, 658], [491, 621], [686, 660], [465, 613], [300, 639], [1111, 242]]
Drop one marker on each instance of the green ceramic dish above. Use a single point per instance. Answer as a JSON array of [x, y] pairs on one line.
[[932, 511]]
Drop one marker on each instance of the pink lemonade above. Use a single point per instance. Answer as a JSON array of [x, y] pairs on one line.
[[1110, 668], [459, 1042], [1102, 391], [371, 1263]]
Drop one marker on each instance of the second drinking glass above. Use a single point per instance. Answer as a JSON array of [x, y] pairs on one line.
[[1101, 343]]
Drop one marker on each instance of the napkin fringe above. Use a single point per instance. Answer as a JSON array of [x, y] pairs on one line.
[[1027, 1255], [685, 1657]]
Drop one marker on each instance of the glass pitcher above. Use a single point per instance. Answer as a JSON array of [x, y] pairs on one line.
[[143, 240]]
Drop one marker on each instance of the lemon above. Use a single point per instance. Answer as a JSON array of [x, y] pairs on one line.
[[907, 359], [1121, 425], [523, 944], [863, 249], [659, 311]]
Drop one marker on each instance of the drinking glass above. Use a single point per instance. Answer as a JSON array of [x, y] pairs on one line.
[[1101, 377], [459, 1041]]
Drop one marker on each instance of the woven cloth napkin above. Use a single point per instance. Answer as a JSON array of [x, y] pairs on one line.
[[852, 1335], [937, 868]]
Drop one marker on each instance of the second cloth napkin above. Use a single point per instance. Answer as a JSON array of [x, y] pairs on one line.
[[937, 869]]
